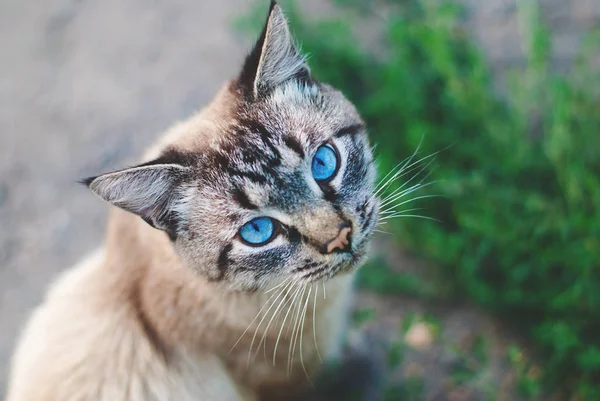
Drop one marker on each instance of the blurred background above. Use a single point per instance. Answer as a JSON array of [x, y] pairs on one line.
[[497, 101]]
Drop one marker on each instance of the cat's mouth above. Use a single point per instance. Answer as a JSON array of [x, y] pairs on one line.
[[341, 263]]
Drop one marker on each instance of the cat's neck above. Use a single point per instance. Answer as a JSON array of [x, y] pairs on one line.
[[173, 300]]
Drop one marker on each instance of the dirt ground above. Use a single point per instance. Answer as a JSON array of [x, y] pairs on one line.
[[86, 85]]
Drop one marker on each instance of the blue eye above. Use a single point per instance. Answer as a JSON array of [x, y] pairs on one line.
[[258, 231], [325, 163]]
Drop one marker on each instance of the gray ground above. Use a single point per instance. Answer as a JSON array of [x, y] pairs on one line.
[[85, 85]]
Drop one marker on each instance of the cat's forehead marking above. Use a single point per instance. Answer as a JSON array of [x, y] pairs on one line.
[[263, 166], [263, 155], [266, 151]]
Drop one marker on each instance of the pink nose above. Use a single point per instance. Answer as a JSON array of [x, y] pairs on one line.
[[341, 243]]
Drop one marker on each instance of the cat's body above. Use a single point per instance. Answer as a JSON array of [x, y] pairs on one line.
[[169, 335], [195, 309]]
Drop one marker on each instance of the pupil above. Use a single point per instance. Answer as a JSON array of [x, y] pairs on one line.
[[255, 227], [321, 162]]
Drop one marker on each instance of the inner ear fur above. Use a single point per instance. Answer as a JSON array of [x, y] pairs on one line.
[[275, 59]]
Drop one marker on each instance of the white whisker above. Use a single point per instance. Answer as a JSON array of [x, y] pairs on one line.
[[407, 169], [398, 174], [275, 313], [411, 200], [253, 320], [413, 215], [398, 212], [386, 180], [284, 320], [391, 210], [407, 160], [279, 285], [262, 320], [302, 335], [292, 346], [408, 191], [409, 180], [315, 322]]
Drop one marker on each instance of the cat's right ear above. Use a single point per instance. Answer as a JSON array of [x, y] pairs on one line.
[[274, 59], [155, 192]]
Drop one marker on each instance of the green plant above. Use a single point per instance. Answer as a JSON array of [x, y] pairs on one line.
[[377, 276], [528, 376], [410, 390], [362, 315], [520, 173]]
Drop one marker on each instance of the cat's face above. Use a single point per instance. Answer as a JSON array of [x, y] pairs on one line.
[[284, 193], [295, 174]]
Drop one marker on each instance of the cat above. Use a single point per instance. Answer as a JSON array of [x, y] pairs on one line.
[[235, 284]]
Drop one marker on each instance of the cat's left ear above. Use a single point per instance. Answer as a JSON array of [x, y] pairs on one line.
[[274, 59], [155, 192]]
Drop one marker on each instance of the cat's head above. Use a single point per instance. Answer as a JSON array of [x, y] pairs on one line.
[[274, 181]]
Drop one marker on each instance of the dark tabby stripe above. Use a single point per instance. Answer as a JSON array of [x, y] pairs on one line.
[[294, 145], [223, 261], [307, 266], [257, 178], [222, 160], [242, 199], [330, 194], [351, 130], [267, 139], [293, 235]]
